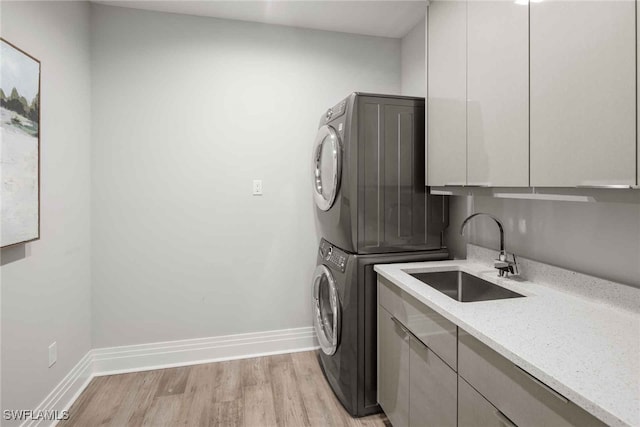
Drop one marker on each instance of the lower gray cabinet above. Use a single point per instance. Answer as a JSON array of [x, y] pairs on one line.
[[436, 332], [525, 400], [432, 388], [474, 410], [393, 369], [415, 387]]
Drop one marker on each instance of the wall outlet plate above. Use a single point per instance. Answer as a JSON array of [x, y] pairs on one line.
[[53, 353]]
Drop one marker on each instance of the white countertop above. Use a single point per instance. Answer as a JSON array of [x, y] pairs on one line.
[[585, 350]]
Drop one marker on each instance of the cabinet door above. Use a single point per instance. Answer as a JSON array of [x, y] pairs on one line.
[[446, 93], [474, 410], [439, 334], [526, 401], [432, 389], [497, 94], [583, 89], [393, 369]]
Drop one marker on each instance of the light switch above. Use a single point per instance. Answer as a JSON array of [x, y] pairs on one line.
[[257, 187]]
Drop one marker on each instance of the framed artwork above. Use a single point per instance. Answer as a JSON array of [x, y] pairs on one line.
[[19, 146]]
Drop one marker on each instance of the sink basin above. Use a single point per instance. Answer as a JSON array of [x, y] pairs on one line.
[[464, 287]]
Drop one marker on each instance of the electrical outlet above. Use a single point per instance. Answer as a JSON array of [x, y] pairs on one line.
[[257, 187], [53, 353]]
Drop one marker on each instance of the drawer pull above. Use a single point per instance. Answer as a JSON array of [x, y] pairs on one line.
[[612, 186], [543, 385], [504, 420], [483, 185], [470, 184], [407, 331], [400, 325]]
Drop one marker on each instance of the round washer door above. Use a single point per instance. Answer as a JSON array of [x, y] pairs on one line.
[[326, 310], [327, 166]]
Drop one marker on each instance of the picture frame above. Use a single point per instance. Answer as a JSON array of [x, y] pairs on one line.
[[20, 119]]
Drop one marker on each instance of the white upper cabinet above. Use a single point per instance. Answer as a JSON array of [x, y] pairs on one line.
[[637, 95], [583, 93], [497, 94], [539, 95], [478, 94], [446, 97]]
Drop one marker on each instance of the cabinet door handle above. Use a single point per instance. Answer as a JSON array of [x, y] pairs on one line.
[[504, 420], [618, 186], [400, 325], [543, 385], [454, 184]]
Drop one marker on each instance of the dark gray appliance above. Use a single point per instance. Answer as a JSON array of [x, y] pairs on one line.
[[344, 307], [369, 177]]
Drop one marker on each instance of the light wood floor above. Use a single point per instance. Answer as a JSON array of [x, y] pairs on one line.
[[282, 390]]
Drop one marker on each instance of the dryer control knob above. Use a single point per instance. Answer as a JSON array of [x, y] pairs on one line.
[[328, 253], [329, 113]]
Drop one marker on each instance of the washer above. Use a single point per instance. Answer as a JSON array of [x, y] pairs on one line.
[[344, 307], [369, 177]]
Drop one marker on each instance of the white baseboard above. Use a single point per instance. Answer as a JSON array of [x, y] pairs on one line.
[[67, 391], [161, 355], [145, 357]]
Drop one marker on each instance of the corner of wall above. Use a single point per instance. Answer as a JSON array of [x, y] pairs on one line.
[[412, 61]]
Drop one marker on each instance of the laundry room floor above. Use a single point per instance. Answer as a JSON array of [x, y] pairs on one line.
[[280, 390]]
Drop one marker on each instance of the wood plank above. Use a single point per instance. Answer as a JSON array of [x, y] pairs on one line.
[[258, 405], [140, 400], [203, 378], [195, 410], [229, 386], [255, 371], [377, 420], [287, 399], [198, 398], [227, 414], [321, 405], [164, 411], [173, 381], [101, 409]]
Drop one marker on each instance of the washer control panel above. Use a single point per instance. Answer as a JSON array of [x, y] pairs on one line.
[[333, 257], [336, 111]]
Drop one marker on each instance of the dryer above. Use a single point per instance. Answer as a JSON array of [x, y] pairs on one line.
[[369, 177]]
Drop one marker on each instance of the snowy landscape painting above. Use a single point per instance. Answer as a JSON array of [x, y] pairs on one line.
[[19, 146]]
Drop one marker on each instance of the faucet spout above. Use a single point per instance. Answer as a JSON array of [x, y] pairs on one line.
[[502, 264], [464, 223]]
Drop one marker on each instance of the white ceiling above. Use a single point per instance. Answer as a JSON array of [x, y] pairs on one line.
[[385, 18]]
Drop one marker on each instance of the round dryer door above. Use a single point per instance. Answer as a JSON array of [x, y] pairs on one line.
[[327, 166], [326, 310]]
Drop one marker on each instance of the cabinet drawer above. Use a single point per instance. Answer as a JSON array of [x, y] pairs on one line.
[[517, 395], [432, 329], [474, 410]]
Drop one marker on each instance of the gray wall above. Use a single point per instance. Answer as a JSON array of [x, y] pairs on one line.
[[186, 112], [413, 61], [45, 292], [596, 238]]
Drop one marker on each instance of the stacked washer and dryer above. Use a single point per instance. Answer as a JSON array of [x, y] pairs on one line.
[[372, 207]]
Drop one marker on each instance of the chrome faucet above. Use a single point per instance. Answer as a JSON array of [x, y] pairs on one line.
[[502, 264]]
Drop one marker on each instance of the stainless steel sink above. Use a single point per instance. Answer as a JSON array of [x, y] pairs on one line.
[[464, 287]]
